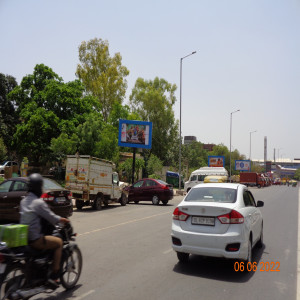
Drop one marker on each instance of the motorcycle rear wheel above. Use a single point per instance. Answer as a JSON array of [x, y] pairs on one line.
[[71, 268], [13, 279]]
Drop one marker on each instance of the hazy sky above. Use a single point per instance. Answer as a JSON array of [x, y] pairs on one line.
[[248, 58]]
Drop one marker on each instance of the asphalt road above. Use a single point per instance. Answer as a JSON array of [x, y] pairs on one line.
[[127, 255]]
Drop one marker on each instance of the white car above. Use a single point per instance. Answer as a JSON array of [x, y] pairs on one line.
[[7, 164], [218, 220]]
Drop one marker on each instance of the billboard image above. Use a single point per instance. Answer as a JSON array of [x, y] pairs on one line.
[[136, 134], [216, 161], [243, 165]]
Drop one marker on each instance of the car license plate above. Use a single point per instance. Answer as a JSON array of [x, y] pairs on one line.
[[60, 199], [210, 221], [2, 268]]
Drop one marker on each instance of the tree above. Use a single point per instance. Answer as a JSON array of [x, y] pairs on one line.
[[154, 165], [48, 107], [103, 76], [297, 174], [126, 167], [3, 150], [8, 114], [153, 101]]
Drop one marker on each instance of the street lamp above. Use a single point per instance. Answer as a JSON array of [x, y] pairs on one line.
[[250, 145], [230, 142], [181, 59]]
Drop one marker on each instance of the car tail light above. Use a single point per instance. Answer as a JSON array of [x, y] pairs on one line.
[[233, 217], [179, 215], [47, 197], [165, 187], [70, 196]]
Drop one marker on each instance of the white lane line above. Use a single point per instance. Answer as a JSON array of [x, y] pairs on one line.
[[84, 295], [168, 251], [124, 223], [298, 254]]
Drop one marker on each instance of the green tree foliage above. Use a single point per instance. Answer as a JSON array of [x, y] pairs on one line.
[[102, 75], [126, 167], [153, 101], [3, 151], [297, 174], [194, 156], [154, 165], [8, 114], [48, 107]]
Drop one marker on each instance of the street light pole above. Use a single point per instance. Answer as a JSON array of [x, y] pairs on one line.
[[181, 59], [230, 143], [250, 145]]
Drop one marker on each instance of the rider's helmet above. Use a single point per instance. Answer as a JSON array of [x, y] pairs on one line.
[[35, 184]]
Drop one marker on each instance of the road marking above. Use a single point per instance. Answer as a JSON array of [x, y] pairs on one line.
[[168, 251], [298, 254], [84, 295], [124, 223]]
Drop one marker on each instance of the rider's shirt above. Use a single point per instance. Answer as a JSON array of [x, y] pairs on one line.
[[32, 209]]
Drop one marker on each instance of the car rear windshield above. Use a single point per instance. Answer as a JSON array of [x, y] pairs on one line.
[[162, 182], [211, 194], [51, 185]]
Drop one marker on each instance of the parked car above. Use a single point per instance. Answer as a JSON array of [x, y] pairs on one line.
[[14, 189], [217, 220], [7, 164], [149, 189]]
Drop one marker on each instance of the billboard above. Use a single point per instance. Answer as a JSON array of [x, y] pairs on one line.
[[243, 165], [216, 161], [135, 134]]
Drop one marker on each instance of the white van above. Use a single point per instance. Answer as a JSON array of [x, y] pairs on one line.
[[198, 176]]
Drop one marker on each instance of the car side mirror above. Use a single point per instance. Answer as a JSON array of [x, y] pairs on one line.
[[260, 203]]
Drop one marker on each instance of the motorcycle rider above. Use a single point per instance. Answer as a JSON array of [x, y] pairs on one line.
[[33, 210]]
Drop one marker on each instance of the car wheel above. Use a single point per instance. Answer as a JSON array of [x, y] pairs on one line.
[[97, 205], [123, 200], [183, 257], [155, 200], [165, 202], [79, 204], [260, 242]]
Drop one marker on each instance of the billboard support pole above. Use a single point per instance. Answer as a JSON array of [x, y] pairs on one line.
[[133, 165]]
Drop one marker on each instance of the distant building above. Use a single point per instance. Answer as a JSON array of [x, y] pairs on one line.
[[189, 139], [208, 147]]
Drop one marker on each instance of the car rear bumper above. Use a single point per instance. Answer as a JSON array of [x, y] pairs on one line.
[[210, 244]]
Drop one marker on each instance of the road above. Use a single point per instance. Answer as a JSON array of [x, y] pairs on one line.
[[127, 255]]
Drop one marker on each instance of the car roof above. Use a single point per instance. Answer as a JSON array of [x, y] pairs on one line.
[[219, 185]]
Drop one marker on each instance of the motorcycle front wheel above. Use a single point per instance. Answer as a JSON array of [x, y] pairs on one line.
[[12, 280], [71, 268]]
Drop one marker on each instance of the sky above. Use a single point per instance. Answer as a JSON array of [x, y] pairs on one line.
[[247, 58]]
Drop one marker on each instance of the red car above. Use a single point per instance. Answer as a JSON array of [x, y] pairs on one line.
[[149, 189]]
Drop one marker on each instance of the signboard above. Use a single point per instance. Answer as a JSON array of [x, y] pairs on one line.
[[216, 161], [135, 134], [243, 165]]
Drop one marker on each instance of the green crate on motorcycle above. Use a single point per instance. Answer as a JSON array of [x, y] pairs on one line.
[[14, 235]]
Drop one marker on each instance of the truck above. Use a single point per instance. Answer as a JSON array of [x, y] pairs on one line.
[[252, 179], [198, 176], [93, 182]]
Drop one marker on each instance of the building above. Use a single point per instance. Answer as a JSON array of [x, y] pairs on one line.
[[189, 139], [208, 147]]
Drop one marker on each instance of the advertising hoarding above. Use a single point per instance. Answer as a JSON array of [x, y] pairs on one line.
[[135, 134], [216, 161], [243, 165]]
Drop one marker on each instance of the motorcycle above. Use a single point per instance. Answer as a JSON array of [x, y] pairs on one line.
[[24, 271]]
